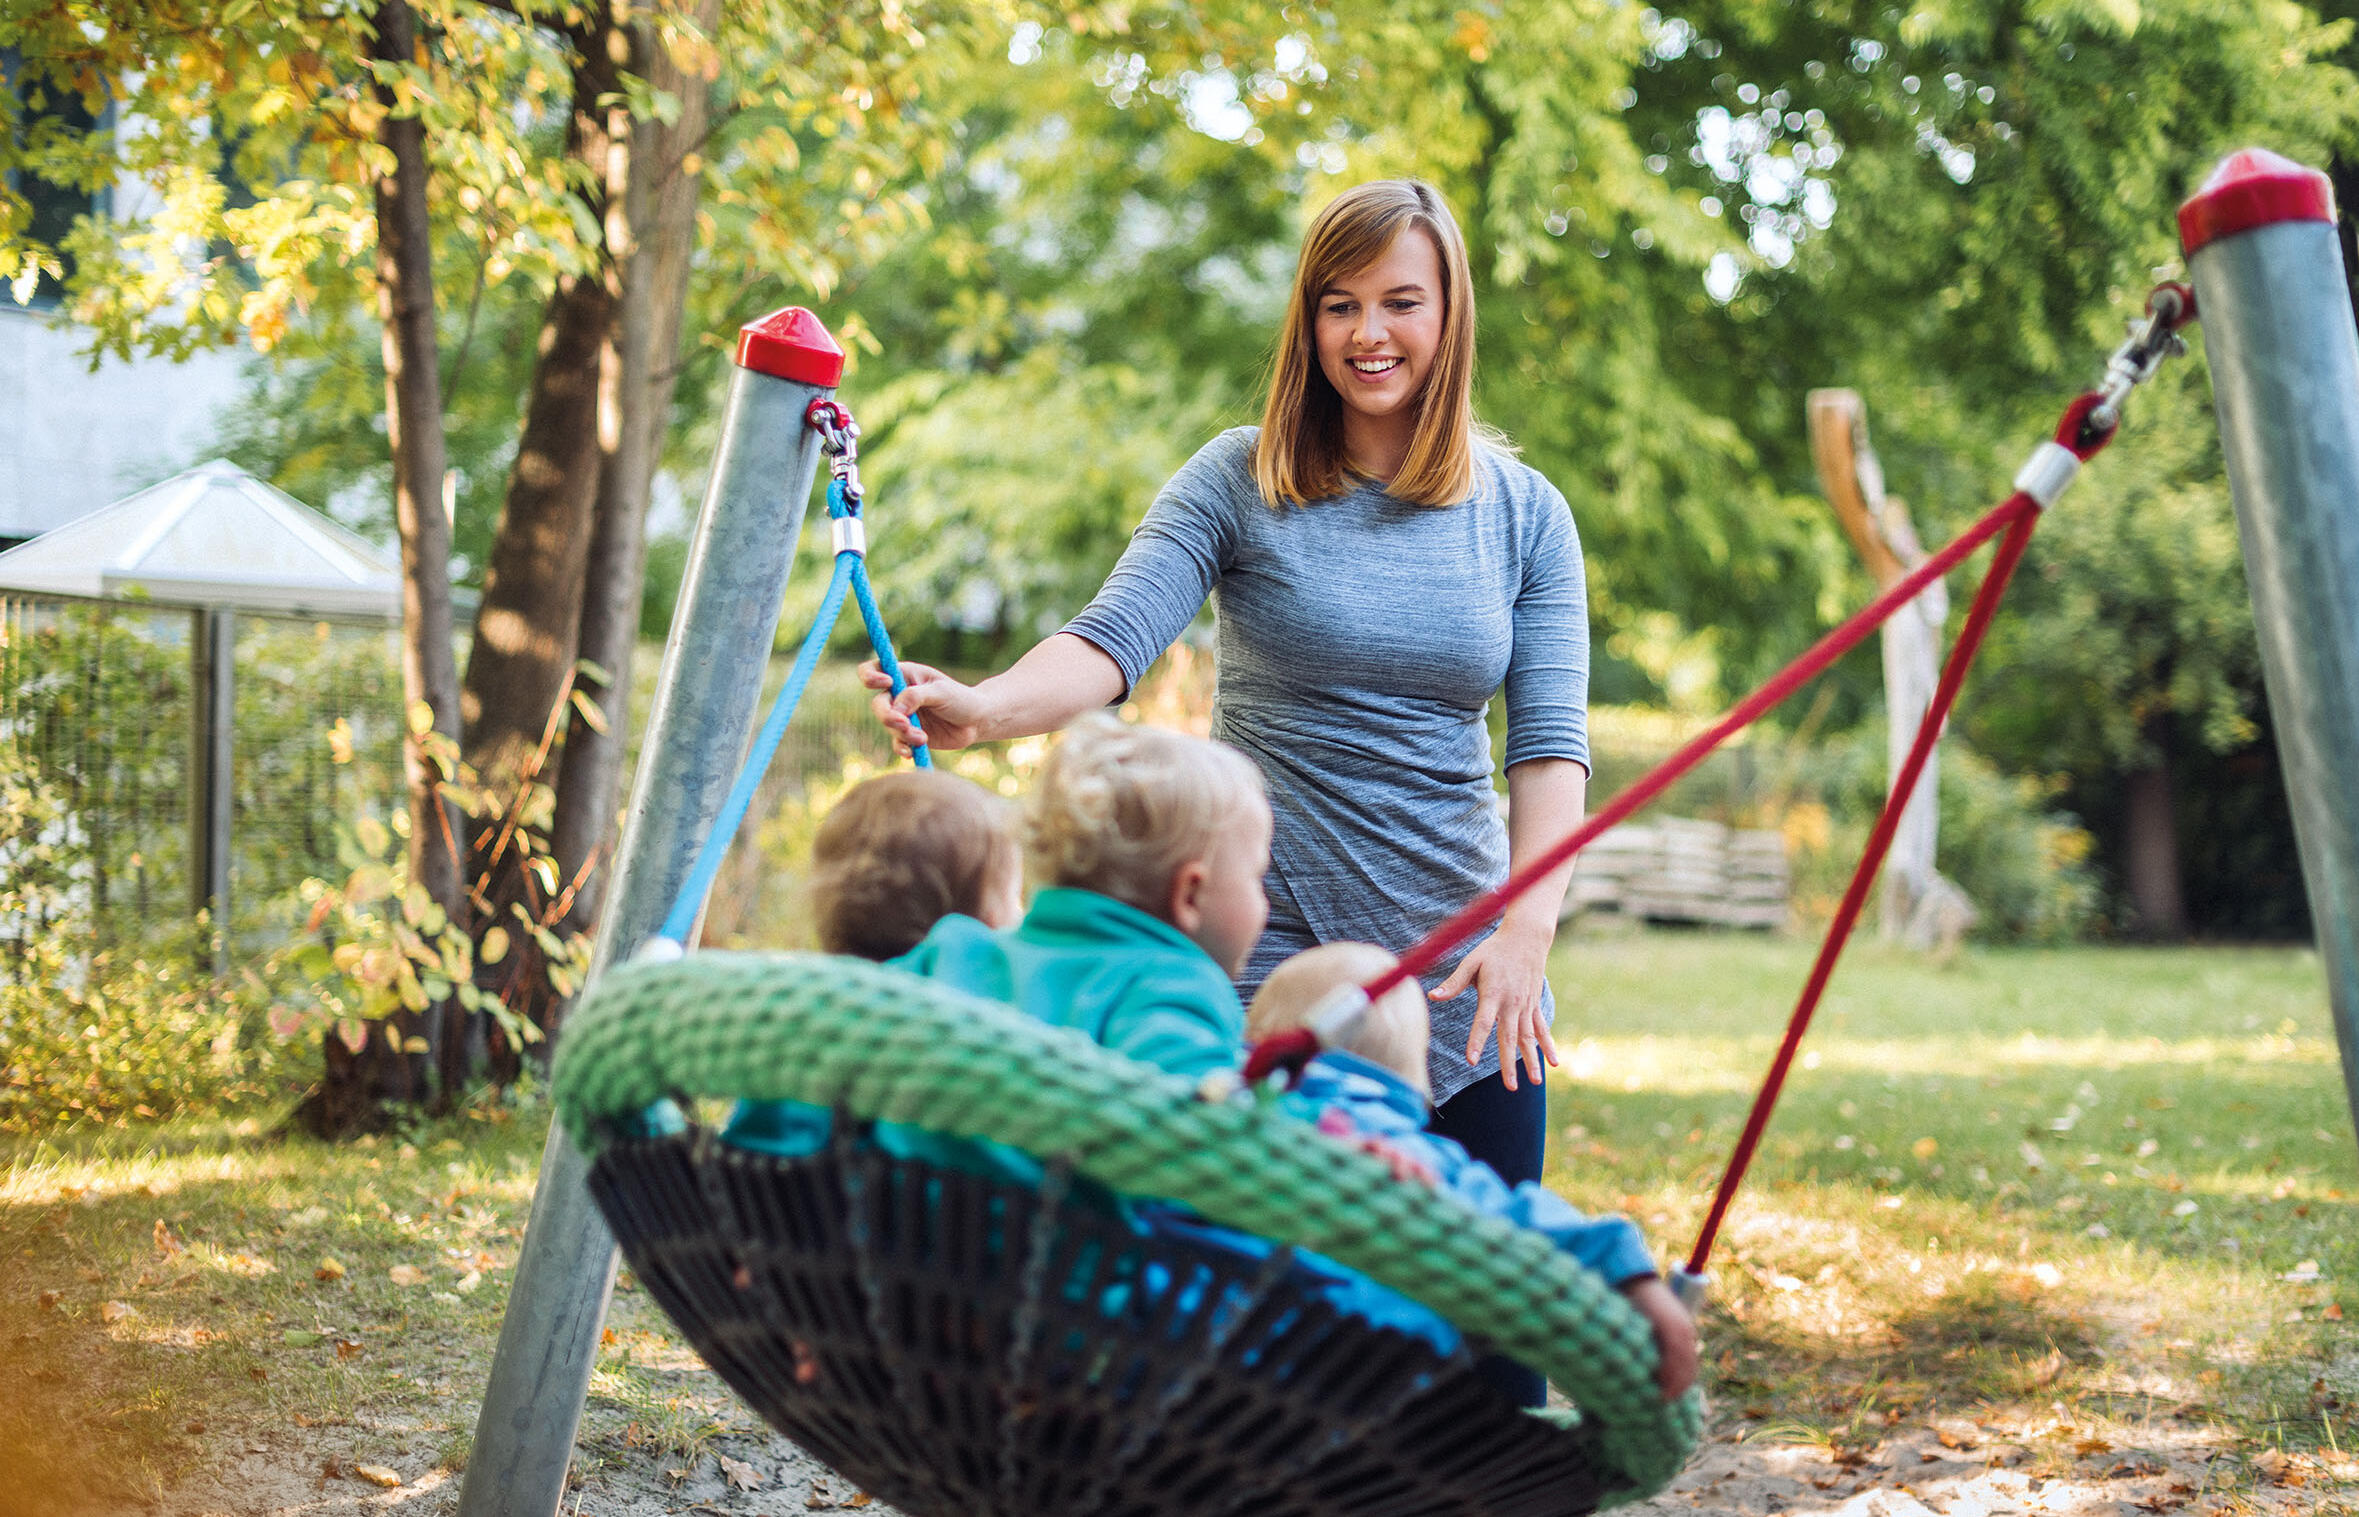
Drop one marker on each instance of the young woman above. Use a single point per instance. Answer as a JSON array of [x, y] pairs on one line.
[[1380, 566]]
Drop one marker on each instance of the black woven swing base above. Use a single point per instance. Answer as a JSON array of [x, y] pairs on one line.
[[961, 1347]]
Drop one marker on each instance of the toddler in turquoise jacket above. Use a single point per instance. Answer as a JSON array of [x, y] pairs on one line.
[[1150, 848]]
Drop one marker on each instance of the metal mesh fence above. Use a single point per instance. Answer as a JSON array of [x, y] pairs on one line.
[[318, 744], [99, 762]]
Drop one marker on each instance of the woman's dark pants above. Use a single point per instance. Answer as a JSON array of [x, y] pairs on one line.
[[1508, 1130]]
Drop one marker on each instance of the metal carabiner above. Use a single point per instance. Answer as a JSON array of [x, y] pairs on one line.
[[839, 438], [2151, 340]]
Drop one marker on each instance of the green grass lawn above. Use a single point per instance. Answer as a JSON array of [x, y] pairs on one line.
[[2051, 1192], [2060, 1191]]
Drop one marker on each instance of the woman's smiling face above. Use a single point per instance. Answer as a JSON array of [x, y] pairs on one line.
[[1378, 328]]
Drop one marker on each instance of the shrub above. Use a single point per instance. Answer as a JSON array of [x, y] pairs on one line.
[[2023, 863], [146, 1035]]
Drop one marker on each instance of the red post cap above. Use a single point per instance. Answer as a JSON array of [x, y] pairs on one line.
[[2253, 188], [791, 344]]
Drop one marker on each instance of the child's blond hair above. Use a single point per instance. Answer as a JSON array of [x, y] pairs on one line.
[[900, 852], [1395, 1031], [1119, 808]]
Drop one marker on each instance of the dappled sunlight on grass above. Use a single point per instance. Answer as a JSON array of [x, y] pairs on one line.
[[1683, 1065], [176, 1292], [2066, 1191]]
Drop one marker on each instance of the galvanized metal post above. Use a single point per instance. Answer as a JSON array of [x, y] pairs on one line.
[[213, 722], [2284, 355], [704, 707]]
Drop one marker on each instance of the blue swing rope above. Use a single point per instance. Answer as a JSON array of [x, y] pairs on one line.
[[851, 574]]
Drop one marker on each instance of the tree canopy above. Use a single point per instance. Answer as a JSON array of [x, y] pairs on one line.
[[1057, 243]]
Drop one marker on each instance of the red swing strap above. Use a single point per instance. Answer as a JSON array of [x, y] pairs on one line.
[[2022, 519]]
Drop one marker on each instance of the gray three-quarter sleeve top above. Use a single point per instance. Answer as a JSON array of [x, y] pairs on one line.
[[1360, 640]]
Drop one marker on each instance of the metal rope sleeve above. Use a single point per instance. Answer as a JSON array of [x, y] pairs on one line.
[[888, 1046]]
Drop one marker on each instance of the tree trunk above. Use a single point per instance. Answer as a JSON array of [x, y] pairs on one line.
[[532, 587], [355, 1084], [641, 364], [2343, 170], [2151, 844], [522, 664]]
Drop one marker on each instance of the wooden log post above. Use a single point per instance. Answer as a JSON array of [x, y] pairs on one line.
[[1919, 906]]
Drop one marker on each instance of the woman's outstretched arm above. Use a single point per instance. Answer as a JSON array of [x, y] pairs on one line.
[[1181, 548], [1058, 680]]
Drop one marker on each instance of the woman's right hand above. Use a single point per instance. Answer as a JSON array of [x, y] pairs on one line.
[[952, 713]]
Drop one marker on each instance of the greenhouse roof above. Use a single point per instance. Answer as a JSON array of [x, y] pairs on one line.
[[213, 536]]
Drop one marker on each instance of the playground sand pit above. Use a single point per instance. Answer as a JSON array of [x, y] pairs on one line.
[[1953, 1468]]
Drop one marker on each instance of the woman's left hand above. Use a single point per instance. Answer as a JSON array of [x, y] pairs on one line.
[[1508, 969]]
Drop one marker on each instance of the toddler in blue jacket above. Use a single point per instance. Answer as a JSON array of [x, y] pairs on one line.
[[1372, 1094]]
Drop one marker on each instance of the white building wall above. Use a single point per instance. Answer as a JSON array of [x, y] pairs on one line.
[[72, 440]]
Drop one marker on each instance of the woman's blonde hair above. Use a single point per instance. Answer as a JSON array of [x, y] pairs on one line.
[[1119, 808], [1300, 456], [902, 851], [1393, 1034]]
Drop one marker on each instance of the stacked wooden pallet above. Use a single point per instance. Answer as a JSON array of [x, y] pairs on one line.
[[1681, 870]]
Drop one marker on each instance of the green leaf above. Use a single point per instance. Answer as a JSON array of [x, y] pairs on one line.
[[587, 709]]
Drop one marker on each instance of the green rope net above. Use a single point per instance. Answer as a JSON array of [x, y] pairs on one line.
[[887, 1046]]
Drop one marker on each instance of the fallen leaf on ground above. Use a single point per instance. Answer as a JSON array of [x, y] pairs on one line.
[[328, 1269], [406, 1274], [115, 1311], [2277, 1468], [741, 1476], [166, 1244], [49, 1299], [348, 1348], [2091, 1446], [377, 1474], [296, 1337]]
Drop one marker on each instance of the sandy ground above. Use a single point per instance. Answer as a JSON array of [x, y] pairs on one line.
[[1952, 1469]]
